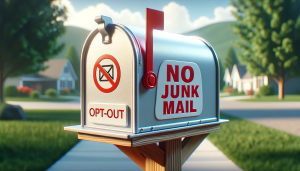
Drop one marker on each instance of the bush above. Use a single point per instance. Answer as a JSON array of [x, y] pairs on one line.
[[24, 91], [65, 91], [249, 92], [35, 94], [51, 92], [225, 88], [234, 92], [266, 90], [298, 92], [229, 89], [10, 91]]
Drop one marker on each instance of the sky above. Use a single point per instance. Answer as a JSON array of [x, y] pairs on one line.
[[180, 15]]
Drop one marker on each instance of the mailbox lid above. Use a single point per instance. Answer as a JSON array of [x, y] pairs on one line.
[[97, 95], [179, 48]]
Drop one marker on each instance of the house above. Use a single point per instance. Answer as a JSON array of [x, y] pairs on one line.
[[242, 80], [227, 77], [59, 74]]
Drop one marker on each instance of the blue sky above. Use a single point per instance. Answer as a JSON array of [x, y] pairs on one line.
[[180, 16]]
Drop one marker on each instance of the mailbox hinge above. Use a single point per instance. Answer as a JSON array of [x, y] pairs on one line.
[[103, 23]]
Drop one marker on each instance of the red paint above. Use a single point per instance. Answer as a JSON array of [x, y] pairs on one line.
[[93, 112], [179, 107], [114, 84], [154, 20], [164, 96], [173, 95], [110, 112], [168, 109], [192, 106], [185, 89], [175, 74], [183, 77], [195, 91], [186, 106]]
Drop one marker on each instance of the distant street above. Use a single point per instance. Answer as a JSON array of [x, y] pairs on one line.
[[283, 116]]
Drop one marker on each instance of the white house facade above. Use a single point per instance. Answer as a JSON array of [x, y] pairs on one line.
[[59, 74]]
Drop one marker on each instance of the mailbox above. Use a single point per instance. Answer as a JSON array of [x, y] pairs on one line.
[[136, 82]]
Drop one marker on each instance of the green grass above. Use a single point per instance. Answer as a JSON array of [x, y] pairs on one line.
[[38, 142], [254, 147], [273, 98], [28, 99]]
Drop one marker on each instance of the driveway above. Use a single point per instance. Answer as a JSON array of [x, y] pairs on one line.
[[284, 116]]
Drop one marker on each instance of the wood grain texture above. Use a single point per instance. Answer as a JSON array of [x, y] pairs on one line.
[[153, 152], [153, 166], [173, 135], [190, 146], [134, 155], [173, 155], [109, 140]]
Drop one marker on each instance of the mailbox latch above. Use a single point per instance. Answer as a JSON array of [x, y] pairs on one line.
[[103, 23]]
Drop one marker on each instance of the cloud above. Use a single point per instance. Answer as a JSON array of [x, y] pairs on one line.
[[177, 18]]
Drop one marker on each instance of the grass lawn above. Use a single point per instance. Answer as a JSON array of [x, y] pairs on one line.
[[273, 98], [28, 99], [38, 142], [255, 147]]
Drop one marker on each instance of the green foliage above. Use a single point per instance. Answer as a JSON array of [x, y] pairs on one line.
[[234, 91], [11, 91], [28, 30], [35, 94], [255, 147], [226, 87], [51, 92], [73, 56], [266, 90], [230, 58], [270, 31], [38, 142], [298, 92], [65, 91]]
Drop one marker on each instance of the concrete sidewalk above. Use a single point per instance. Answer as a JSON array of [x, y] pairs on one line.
[[92, 156]]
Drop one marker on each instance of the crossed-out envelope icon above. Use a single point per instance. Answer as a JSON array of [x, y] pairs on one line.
[[109, 69]]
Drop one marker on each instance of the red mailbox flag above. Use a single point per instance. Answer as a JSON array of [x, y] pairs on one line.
[[154, 20]]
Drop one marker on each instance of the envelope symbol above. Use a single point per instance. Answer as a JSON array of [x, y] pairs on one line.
[[109, 69]]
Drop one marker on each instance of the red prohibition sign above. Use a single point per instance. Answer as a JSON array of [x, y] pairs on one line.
[[97, 65]]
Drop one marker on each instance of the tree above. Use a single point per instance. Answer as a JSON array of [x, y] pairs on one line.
[[28, 33], [270, 31], [73, 56], [230, 58]]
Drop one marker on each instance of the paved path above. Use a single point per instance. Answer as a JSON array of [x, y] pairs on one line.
[[92, 156], [73, 105], [284, 116]]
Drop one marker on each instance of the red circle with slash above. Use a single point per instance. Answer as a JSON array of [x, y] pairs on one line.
[[105, 74]]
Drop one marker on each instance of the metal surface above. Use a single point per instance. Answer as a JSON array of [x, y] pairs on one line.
[[124, 135], [167, 46], [127, 46], [103, 23], [126, 50]]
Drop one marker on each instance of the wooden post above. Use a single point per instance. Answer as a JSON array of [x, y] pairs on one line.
[[173, 155]]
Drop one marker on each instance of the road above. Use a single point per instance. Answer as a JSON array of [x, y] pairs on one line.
[[284, 116]]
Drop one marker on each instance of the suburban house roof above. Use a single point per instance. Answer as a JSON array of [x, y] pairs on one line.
[[55, 68], [247, 76], [241, 70]]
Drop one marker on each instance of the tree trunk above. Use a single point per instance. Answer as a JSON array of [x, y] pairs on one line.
[[1, 87], [281, 88]]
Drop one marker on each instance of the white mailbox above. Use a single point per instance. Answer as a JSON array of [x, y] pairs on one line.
[[136, 82]]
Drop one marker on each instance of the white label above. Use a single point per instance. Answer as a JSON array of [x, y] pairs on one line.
[[179, 90], [107, 114]]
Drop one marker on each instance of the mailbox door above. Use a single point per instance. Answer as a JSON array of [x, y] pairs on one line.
[[172, 49], [108, 76]]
